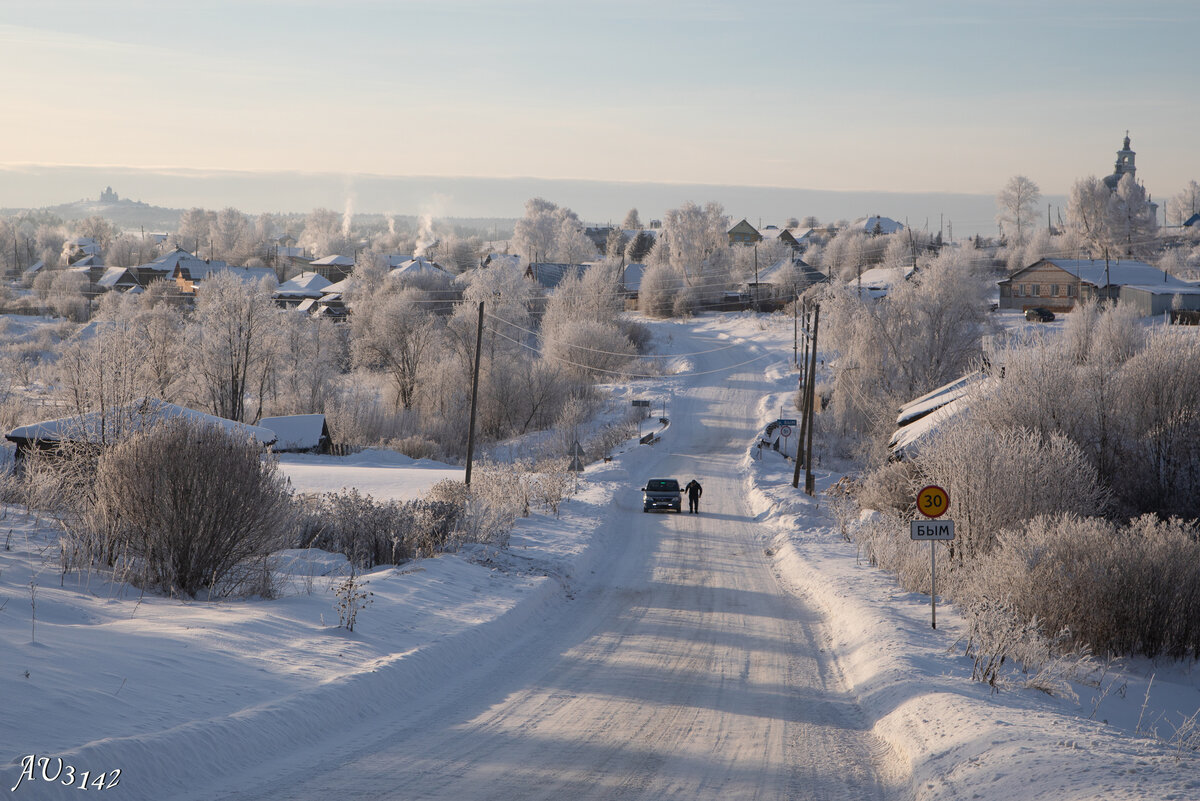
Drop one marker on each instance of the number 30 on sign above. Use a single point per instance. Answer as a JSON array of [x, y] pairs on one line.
[[933, 501]]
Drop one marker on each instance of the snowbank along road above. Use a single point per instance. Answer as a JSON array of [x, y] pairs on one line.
[[678, 668]]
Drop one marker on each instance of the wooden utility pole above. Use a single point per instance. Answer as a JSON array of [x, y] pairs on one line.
[[809, 480], [474, 395], [805, 379]]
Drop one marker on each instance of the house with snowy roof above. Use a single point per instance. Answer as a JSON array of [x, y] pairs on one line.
[[117, 279], [918, 420], [551, 274], [334, 268], [784, 278], [420, 267], [500, 260], [299, 433], [105, 428], [303, 286], [1058, 284], [773, 233], [743, 233], [189, 276], [876, 225]]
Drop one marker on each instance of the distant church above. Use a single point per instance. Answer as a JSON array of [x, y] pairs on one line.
[[1125, 166], [109, 196]]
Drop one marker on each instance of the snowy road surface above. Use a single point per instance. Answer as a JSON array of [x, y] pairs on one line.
[[678, 668]]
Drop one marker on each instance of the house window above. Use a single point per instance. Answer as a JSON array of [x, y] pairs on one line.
[[1025, 290], [1070, 290], [1037, 290], [1054, 290]]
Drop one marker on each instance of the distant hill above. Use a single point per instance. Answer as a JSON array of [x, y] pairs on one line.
[[127, 214], [481, 199]]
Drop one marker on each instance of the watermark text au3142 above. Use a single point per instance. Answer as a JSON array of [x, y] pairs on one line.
[[53, 769]]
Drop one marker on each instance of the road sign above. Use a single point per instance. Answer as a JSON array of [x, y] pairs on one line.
[[931, 530], [645, 403], [577, 450], [785, 431], [789, 421], [576, 465], [933, 501]]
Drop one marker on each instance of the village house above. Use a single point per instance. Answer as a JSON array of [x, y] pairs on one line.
[[308, 285], [1058, 284], [97, 429], [744, 234]]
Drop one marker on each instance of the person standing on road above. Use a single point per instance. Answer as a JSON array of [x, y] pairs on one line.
[[694, 491]]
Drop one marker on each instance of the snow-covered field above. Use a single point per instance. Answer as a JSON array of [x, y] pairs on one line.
[[383, 474], [239, 698]]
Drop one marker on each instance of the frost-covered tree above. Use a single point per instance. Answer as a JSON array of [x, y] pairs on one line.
[[579, 327], [1112, 223], [232, 236], [307, 369], [535, 234], [195, 229], [1016, 208], [1183, 205], [615, 244], [572, 245], [659, 288], [694, 242], [235, 331], [632, 221], [924, 333], [324, 234], [96, 227], [639, 247], [392, 333], [1134, 224], [100, 374]]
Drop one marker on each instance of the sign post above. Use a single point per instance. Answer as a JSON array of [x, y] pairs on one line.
[[933, 502], [576, 465], [786, 424]]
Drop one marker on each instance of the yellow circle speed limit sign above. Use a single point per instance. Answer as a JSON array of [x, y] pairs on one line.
[[933, 501]]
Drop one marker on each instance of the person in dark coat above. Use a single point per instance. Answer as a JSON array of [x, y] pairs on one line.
[[694, 491]]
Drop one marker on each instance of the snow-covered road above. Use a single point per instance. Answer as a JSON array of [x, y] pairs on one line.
[[677, 668]]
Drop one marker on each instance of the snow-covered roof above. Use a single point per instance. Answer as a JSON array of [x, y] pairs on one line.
[[112, 277], [419, 266], [550, 274], [333, 261], [37, 265], [878, 280], [631, 277], [916, 409], [1125, 272], [170, 260], [886, 225], [304, 285], [136, 416], [87, 262], [502, 260], [933, 409], [296, 432], [787, 269], [247, 275]]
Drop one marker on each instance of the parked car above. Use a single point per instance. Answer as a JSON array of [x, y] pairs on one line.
[[1039, 315], [662, 493]]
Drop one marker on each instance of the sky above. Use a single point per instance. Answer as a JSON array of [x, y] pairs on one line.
[[921, 96]]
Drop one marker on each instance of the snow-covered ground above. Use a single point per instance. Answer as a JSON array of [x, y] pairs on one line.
[[240, 698], [383, 474]]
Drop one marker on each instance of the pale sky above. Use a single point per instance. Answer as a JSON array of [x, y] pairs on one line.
[[919, 96]]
